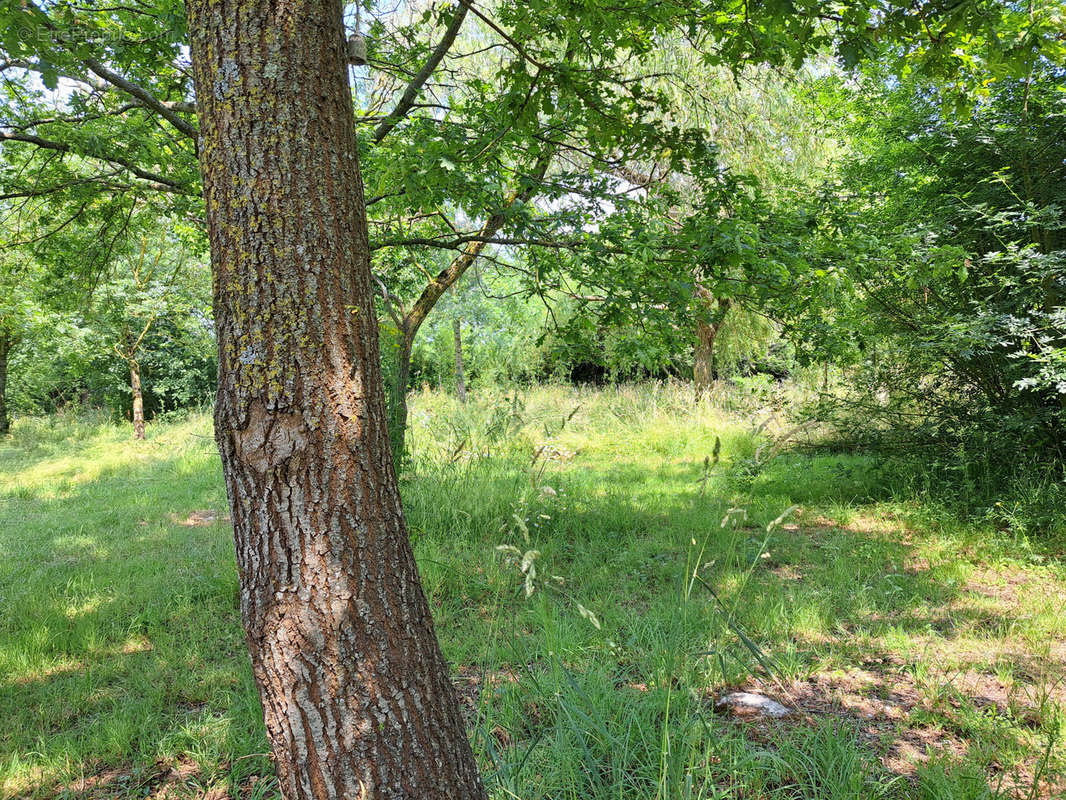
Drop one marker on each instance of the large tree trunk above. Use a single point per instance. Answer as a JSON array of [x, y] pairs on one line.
[[138, 400], [356, 694], [460, 379], [5, 350], [706, 332]]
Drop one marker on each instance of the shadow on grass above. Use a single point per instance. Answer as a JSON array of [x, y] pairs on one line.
[[122, 648], [120, 642]]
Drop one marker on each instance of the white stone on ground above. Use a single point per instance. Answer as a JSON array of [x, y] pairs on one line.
[[751, 704]]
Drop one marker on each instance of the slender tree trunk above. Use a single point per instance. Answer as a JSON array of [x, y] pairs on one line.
[[433, 291], [356, 694], [706, 332], [460, 380], [138, 400], [397, 407], [703, 357], [5, 350]]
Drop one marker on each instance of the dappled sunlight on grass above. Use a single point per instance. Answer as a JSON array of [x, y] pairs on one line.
[[658, 584]]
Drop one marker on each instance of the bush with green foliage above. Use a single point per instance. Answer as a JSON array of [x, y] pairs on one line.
[[943, 259]]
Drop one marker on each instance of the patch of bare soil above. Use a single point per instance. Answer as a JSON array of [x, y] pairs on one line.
[[879, 701], [197, 519], [787, 572], [973, 667], [181, 780], [1006, 587], [879, 704]]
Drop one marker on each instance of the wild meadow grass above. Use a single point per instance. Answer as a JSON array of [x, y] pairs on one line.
[[602, 565]]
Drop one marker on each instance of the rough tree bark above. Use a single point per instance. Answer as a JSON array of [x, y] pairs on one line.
[[5, 350], [706, 332], [460, 378], [356, 693], [138, 400]]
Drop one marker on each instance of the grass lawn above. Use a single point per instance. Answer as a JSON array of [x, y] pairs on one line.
[[922, 657]]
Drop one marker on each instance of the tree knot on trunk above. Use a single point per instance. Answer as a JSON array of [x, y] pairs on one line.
[[270, 439]]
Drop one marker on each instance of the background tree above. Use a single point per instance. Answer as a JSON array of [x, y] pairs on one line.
[[155, 294], [460, 378], [19, 311], [32, 305]]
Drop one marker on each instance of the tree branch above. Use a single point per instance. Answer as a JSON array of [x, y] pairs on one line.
[[63, 147], [450, 274], [506, 37], [168, 111], [410, 94]]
